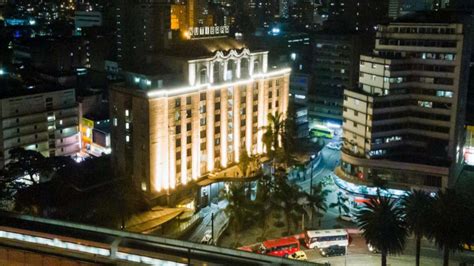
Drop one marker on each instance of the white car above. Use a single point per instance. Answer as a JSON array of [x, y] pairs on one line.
[[334, 145], [349, 218], [298, 255], [207, 238]]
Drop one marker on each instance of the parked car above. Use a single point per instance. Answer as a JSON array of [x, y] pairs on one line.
[[298, 255], [333, 251]]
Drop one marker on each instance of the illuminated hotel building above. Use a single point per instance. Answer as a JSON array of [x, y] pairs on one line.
[[166, 136], [405, 122]]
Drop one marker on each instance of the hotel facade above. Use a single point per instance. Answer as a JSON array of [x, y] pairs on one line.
[[166, 137], [405, 122]]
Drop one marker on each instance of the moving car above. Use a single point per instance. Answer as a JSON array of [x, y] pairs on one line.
[[207, 238], [298, 255], [372, 249], [333, 251], [348, 218]]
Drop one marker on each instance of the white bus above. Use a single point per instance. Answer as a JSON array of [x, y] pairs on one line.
[[326, 238]]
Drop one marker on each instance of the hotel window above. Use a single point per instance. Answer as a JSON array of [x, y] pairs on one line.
[[188, 127], [178, 129], [178, 142], [242, 99], [203, 134], [127, 113], [217, 118], [217, 106], [217, 141], [202, 121], [269, 105], [177, 102], [127, 138], [188, 139], [218, 93], [178, 156], [270, 94], [188, 113], [202, 96], [355, 124], [276, 104], [127, 126], [202, 109], [115, 121], [188, 100]]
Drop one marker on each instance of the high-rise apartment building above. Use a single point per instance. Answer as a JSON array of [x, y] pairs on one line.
[[169, 130], [142, 27], [405, 122], [335, 67], [43, 118]]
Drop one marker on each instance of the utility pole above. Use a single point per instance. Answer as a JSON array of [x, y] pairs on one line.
[[212, 226], [311, 182]]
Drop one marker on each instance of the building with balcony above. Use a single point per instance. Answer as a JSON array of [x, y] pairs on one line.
[[38, 117], [405, 122], [193, 112]]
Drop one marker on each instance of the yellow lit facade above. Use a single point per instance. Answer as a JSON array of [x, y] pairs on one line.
[[166, 138]]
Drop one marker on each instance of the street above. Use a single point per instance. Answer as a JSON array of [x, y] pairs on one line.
[[358, 253], [220, 222]]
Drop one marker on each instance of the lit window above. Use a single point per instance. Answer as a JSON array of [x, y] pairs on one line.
[[60, 122], [127, 113], [127, 125], [127, 138], [425, 104], [115, 121]]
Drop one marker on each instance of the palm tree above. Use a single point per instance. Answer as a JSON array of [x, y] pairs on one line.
[[264, 201], [383, 227], [418, 207], [317, 199], [239, 209], [452, 222], [340, 203], [288, 197], [244, 162]]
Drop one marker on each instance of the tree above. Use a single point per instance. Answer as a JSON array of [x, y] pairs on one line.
[[383, 227], [25, 162], [264, 201], [418, 207], [452, 223], [238, 209], [289, 197], [244, 162], [340, 203], [317, 200]]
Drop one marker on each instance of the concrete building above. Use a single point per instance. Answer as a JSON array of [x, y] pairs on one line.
[[335, 67], [84, 19], [166, 135], [143, 27], [38, 117], [405, 124]]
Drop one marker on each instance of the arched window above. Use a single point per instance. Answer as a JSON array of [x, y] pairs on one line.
[[244, 68], [216, 72], [203, 75], [256, 67], [231, 70]]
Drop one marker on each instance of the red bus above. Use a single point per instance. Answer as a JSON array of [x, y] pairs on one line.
[[280, 247]]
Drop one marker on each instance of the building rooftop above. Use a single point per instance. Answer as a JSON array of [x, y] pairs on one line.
[[442, 16], [195, 48], [10, 87]]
